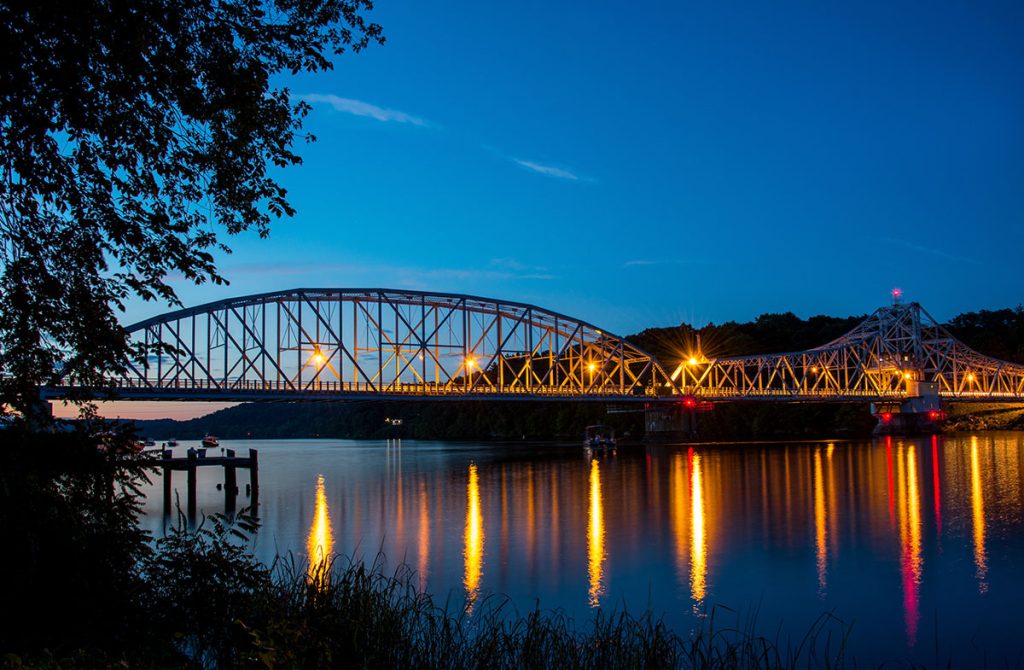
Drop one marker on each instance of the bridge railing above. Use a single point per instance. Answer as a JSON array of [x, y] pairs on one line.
[[133, 386]]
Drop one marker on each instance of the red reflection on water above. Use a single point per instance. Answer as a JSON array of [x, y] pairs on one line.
[[935, 485]]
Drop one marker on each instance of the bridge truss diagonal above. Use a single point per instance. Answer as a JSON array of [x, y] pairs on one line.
[[898, 352], [340, 343]]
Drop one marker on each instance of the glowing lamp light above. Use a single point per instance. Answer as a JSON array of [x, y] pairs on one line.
[[689, 401], [814, 369], [470, 362], [933, 415], [906, 375], [693, 360], [318, 358], [970, 376], [887, 417], [591, 367]]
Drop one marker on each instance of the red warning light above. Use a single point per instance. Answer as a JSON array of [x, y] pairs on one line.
[[887, 417], [934, 415], [897, 295], [689, 401]]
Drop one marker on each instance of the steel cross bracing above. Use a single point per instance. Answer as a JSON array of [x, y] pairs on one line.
[[887, 356], [382, 343]]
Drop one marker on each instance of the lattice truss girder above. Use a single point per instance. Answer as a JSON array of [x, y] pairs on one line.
[[883, 357], [381, 341]]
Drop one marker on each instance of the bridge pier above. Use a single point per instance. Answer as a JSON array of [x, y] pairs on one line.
[[920, 414], [664, 423]]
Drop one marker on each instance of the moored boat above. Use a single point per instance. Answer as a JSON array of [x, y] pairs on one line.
[[599, 436], [211, 441]]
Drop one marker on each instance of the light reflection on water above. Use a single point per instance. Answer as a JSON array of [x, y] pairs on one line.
[[595, 537], [886, 535], [320, 544]]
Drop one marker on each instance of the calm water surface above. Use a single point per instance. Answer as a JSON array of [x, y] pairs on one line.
[[919, 543]]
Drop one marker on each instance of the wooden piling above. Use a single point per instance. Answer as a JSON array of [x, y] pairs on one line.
[[230, 483], [254, 482], [192, 457]]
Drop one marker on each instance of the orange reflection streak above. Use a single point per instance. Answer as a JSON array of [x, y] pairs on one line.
[[832, 503], [678, 494], [911, 561], [473, 538], [820, 530], [698, 541], [978, 509], [935, 486], [321, 540], [424, 539], [888, 473], [595, 537]]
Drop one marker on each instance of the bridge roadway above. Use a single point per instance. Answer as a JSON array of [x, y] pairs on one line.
[[389, 344]]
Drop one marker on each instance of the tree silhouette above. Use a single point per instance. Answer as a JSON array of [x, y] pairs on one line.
[[132, 133]]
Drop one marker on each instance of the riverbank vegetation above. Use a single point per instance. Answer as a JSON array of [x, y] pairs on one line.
[[84, 587]]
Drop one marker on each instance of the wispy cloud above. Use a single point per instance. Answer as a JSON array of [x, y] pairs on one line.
[[368, 274], [548, 170], [646, 262], [361, 108], [929, 251]]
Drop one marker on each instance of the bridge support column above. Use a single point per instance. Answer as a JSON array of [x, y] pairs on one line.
[[919, 414], [670, 422]]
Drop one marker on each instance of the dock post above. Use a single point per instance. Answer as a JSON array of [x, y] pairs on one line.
[[254, 482], [167, 491], [230, 483], [192, 486], [167, 482]]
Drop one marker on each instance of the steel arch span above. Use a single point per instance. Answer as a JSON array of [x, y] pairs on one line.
[[361, 343], [898, 352]]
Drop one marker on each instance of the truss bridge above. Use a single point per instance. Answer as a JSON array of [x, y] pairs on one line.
[[379, 343], [899, 352]]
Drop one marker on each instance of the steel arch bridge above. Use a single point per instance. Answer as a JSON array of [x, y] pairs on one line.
[[381, 343], [899, 352]]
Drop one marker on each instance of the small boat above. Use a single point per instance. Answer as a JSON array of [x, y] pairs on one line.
[[211, 441], [599, 436], [150, 443], [172, 442]]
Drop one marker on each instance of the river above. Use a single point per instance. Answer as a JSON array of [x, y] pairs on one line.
[[916, 545]]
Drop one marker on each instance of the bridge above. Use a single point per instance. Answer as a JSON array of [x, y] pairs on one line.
[[399, 344], [898, 352], [380, 343]]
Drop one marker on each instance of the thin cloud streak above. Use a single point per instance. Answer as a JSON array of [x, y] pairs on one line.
[[645, 263], [503, 269], [547, 170], [938, 253], [361, 108]]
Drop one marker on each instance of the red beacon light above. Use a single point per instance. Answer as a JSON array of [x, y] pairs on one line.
[[886, 417], [897, 295], [689, 401]]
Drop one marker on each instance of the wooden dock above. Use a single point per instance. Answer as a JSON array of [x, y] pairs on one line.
[[195, 459]]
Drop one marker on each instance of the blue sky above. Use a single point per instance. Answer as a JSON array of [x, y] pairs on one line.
[[644, 164]]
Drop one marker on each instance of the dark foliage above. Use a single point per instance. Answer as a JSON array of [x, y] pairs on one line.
[[998, 333], [130, 132], [465, 420], [767, 334], [69, 569]]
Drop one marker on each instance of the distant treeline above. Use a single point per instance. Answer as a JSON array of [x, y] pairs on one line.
[[997, 333]]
